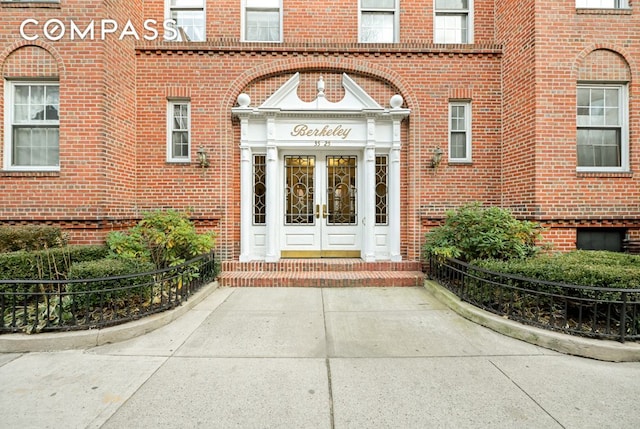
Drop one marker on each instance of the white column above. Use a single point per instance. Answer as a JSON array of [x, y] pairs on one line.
[[272, 232], [246, 200], [369, 188], [246, 178], [394, 194]]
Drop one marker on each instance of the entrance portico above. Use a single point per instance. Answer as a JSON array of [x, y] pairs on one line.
[[320, 179]]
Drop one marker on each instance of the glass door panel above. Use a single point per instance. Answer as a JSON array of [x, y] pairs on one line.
[[299, 190], [341, 190]]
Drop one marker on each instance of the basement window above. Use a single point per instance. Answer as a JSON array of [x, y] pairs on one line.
[[600, 239]]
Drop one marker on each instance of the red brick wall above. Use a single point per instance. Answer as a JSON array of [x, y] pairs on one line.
[[96, 180], [332, 21], [74, 192], [205, 77], [120, 113], [520, 76], [562, 239], [515, 30], [573, 46]]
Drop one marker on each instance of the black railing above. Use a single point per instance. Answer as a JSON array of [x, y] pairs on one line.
[[595, 312], [62, 305]]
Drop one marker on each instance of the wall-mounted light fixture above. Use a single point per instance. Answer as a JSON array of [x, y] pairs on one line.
[[437, 157], [203, 162]]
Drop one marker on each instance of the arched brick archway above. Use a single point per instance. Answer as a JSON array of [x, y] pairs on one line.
[[31, 59], [604, 62]]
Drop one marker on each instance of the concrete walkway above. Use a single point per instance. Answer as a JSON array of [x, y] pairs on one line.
[[317, 358]]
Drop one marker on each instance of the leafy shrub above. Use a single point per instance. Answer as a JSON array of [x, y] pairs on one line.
[[95, 293], [47, 264], [475, 232], [29, 238], [165, 238]]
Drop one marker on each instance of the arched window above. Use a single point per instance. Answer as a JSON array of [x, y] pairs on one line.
[[602, 113], [32, 105]]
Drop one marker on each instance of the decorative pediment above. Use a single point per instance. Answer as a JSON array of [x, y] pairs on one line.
[[285, 102], [286, 98]]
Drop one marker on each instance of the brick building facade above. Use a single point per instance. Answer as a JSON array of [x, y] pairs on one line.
[[321, 121]]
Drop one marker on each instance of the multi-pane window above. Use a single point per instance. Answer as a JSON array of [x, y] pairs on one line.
[[460, 132], [189, 16], [262, 20], [32, 126], [602, 127], [179, 131], [378, 21], [453, 21], [601, 4]]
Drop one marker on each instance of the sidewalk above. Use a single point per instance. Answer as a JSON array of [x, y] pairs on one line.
[[317, 358]]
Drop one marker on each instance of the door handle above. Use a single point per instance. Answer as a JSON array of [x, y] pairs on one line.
[[317, 211], [324, 211]]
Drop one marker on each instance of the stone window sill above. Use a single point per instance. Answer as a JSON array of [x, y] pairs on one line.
[[626, 11], [29, 174], [604, 174], [30, 4], [456, 162]]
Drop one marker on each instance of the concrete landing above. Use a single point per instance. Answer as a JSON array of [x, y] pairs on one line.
[[317, 358]]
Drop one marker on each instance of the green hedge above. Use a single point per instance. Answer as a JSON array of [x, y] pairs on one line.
[[109, 267], [47, 264], [581, 267], [30, 238]]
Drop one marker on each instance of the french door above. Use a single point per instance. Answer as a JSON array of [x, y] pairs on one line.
[[320, 206]]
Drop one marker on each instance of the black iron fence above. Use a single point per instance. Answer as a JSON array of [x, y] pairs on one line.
[[594, 312], [62, 305]]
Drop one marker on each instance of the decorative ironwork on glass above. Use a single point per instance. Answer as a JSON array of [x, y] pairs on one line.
[[299, 192], [341, 190], [259, 190], [382, 191]]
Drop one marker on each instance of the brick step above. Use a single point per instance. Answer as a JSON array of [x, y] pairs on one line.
[[321, 278], [307, 265]]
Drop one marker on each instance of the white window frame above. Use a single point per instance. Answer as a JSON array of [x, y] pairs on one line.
[[623, 111], [470, 21], [167, 16], [170, 107], [243, 22], [591, 4], [467, 130], [9, 99], [396, 20]]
